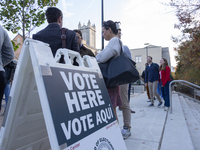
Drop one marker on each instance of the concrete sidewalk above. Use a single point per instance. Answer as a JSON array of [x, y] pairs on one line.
[[147, 124], [152, 126]]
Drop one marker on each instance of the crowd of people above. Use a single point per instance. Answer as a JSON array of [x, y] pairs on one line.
[[157, 80], [153, 75]]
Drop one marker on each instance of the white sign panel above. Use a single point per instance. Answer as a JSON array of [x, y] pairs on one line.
[[58, 106]]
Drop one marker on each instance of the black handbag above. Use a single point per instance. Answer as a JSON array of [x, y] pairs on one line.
[[119, 70]]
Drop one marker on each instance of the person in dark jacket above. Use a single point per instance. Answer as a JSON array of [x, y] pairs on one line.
[[83, 49], [52, 33], [152, 77]]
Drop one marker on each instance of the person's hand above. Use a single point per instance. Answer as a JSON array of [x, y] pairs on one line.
[[145, 84], [97, 52], [162, 86]]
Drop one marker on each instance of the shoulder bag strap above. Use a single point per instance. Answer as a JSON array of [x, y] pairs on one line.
[[121, 47], [154, 65], [63, 37]]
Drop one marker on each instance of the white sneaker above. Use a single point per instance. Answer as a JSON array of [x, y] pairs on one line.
[[149, 100], [3, 105], [166, 108], [126, 132]]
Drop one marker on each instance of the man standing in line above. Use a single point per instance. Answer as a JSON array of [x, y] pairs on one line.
[[143, 78], [6, 56], [52, 33], [126, 111], [152, 77], [83, 49]]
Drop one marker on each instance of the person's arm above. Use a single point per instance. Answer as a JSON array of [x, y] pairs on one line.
[[7, 50], [146, 76], [143, 76], [111, 50], [167, 71]]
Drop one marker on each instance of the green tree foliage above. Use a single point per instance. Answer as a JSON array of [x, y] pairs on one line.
[[188, 67], [15, 46], [23, 15]]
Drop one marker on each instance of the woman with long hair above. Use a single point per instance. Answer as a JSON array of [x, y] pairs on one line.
[[165, 81], [112, 50]]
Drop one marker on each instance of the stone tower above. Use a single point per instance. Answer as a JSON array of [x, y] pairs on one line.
[[89, 33]]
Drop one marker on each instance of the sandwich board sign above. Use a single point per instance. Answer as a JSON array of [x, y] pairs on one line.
[[55, 106]]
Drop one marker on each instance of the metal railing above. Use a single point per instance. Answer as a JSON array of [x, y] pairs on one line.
[[191, 85]]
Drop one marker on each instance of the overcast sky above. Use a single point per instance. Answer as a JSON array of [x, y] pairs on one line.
[[142, 21]]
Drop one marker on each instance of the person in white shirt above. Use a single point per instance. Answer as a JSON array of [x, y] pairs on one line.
[[126, 110], [112, 50]]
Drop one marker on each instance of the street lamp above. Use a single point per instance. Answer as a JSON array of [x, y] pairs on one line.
[[102, 19], [146, 48]]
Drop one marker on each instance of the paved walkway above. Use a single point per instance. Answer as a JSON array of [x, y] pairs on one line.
[[147, 124]]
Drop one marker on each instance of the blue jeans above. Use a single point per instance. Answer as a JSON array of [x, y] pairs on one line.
[[7, 92], [159, 91], [165, 93]]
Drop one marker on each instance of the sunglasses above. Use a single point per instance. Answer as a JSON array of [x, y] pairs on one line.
[[105, 24]]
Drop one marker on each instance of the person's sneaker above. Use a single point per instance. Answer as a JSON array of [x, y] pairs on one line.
[[150, 105], [159, 104], [166, 109], [132, 111], [126, 132], [149, 100], [2, 114], [3, 105]]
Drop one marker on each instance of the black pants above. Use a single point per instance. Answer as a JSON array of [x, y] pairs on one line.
[[2, 85]]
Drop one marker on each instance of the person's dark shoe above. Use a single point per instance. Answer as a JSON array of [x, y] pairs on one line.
[[151, 105], [132, 111], [159, 104]]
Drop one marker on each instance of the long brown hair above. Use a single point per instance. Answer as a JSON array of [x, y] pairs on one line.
[[162, 67]]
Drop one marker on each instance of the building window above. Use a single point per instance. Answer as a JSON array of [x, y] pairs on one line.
[[138, 59], [18, 40]]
